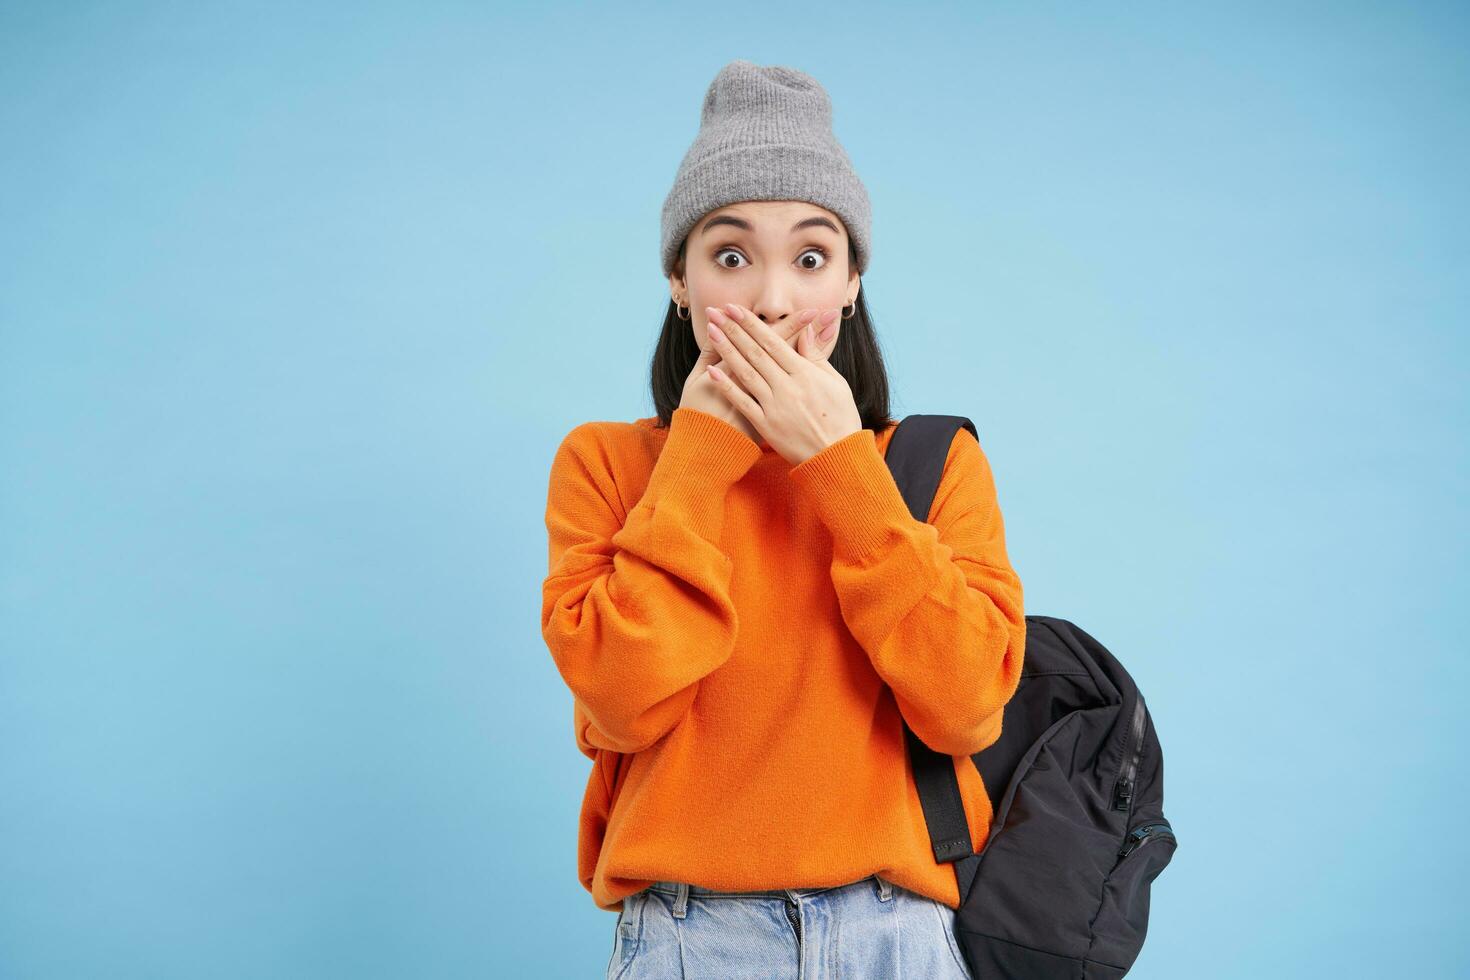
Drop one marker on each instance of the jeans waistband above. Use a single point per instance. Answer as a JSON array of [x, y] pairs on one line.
[[674, 887]]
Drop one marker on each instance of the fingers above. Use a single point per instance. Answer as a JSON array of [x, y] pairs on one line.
[[766, 351], [824, 334], [737, 351], [793, 329], [745, 359], [818, 346], [759, 357], [738, 397]]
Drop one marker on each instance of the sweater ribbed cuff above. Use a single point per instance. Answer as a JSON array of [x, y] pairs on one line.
[[854, 493], [702, 457]]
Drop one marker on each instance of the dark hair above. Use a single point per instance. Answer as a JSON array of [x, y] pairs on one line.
[[856, 357]]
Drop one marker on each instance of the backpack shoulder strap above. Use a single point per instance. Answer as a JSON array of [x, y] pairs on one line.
[[916, 454]]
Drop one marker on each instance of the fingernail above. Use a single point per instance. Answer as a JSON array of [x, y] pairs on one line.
[[809, 335], [714, 313], [829, 317], [828, 331], [716, 334], [732, 309]]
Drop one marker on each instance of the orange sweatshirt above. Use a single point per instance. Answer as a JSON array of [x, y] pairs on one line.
[[740, 637]]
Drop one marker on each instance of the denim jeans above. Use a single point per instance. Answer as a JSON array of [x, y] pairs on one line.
[[865, 929]]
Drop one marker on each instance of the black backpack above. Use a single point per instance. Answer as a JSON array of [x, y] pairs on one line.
[[1061, 888]]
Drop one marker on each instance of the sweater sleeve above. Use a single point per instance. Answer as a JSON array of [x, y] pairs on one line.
[[936, 605], [636, 607], [588, 741]]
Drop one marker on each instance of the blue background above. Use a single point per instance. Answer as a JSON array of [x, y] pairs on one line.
[[296, 303]]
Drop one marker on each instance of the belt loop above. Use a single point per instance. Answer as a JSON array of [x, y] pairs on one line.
[[681, 900], [885, 890]]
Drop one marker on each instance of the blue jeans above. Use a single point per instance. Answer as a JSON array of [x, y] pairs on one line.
[[868, 928]]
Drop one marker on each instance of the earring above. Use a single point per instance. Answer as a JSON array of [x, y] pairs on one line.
[[849, 316], [682, 316]]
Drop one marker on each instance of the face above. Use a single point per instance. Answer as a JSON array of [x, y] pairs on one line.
[[775, 258]]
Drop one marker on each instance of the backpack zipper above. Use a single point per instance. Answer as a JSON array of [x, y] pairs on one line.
[[1143, 835], [1123, 788]]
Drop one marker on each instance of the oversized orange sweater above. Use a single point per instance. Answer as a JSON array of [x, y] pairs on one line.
[[740, 636]]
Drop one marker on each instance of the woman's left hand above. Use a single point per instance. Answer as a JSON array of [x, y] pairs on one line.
[[799, 405]]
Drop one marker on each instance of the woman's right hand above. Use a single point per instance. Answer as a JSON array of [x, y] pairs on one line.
[[701, 392]]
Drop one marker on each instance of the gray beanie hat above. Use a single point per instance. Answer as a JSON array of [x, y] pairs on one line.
[[765, 134]]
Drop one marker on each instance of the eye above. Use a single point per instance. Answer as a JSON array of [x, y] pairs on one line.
[[722, 263], [819, 251]]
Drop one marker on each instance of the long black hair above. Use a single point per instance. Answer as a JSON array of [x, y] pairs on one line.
[[856, 357]]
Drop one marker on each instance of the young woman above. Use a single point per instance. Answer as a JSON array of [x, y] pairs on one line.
[[743, 607]]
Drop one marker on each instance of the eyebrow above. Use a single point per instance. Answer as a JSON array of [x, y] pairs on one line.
[[816, 221]]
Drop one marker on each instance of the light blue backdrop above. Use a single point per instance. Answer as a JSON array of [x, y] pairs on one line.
[[296, 301]]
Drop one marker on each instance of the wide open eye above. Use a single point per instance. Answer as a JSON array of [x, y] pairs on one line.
[[813, 250], [722, 263]]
